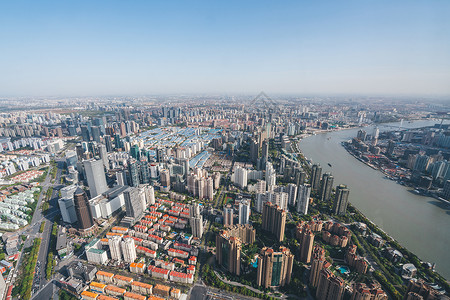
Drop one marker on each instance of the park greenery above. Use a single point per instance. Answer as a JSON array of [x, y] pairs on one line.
[[24, 283]]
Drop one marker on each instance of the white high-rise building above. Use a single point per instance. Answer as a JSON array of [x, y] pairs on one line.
[[95, 175], [128, 250], [151, 195], [244, 212], [303, 198], [260, 187], [271, 175], [114, 247], [240, 177]]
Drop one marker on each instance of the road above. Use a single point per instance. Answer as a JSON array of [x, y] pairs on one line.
[[40, 275]]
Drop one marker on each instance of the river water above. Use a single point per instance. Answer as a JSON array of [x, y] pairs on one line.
[[421, 224]]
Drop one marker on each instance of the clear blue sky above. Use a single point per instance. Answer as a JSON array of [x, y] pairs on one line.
[[147, 47]]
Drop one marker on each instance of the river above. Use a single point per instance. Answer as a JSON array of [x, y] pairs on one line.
[[421, 224]]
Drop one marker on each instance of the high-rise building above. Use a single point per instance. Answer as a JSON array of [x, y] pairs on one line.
[[82, 209], [228, 215], [228, 252], [240, 177], [271, 176], [306, 240], [316, 174], [135, 152], [330, 287], [260, 186], [244, 212], [317, 264], [254, 151], [196, 220], [274, 268], [95, 130], [165, 177], [108, 143], [326, 187], [265, 153], [114, 247], [144, 170], [274, 220], [133, 172], [291, 189], [104, 156], [304, 191], [151, 195], [133, 203], [341, 200], [95, 175], [128, 250]]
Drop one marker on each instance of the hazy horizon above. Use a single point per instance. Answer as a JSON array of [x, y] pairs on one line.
[[140, 48]]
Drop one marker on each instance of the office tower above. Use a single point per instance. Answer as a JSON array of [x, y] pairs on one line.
[[196, 220], [82, 209], [240, 177], [95, 175], [85, 135], [244, 212], [390, 148], [340, 200], [133, 172], [361, 135], [185, 163], [144, 170], [265, 153], [67, 204], [326, 187], [104, 156], [254, 151], [114, 247], [135, 152], [274, 268], [228, 252], [422, 162], [317, 264], [128, 250], [165, 177], [373, 291], [228, 215], [316, 173], [133, 203], [304, 192], [274, 220], [121, 178], [108, 143], [330, 287], [95, 130], [306, 240], [292, 192]]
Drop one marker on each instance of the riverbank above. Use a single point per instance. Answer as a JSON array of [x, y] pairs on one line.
[[414, 221]]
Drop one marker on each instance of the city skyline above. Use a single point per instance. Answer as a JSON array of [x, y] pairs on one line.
[[80, 49]]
